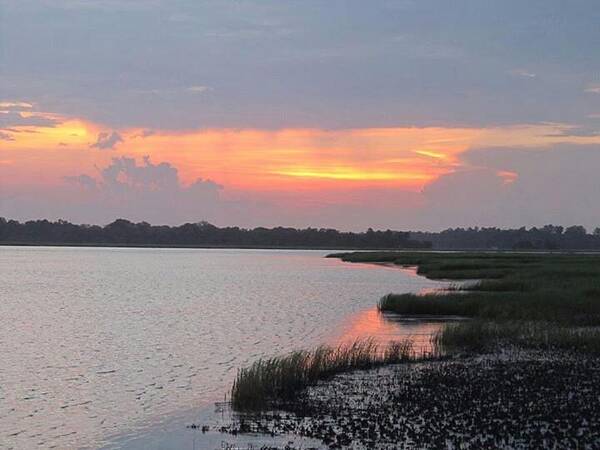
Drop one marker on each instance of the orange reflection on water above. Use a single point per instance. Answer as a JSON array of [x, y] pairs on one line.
[[384, 328]]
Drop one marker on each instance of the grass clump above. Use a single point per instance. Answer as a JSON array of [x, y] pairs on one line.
[[533, 300], [272, 381], [448, 304], [486, 336], [542, 301], [562, 288]]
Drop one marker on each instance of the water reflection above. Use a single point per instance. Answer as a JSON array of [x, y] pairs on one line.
[[387, 327], [98, 342]]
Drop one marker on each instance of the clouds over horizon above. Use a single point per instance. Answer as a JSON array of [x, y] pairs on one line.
[[153, 192], [552, 185], [142, 191], [339, 113]]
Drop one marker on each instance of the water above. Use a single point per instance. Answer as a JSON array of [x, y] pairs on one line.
[[101, 342]]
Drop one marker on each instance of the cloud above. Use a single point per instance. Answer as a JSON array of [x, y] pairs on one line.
[[593, 88], [556, 184], [107, 140], [6, 136], [21, 114], [173, 92], [83, 180], [521, 73], [576, 131], [142, 191], [15, 118], [198, 89], [419, 64], [504, 187], [15, 105]]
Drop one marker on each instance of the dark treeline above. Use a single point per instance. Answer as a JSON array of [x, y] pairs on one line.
[[549, 237], [124, 232]]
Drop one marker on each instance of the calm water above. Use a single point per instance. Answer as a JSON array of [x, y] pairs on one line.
[[98, 342]]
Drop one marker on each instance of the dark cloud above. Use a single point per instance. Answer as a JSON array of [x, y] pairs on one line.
[[143, 191], [559, 184], [107, 140], [589, 130], [384, 64], [84, 181], [6, 137], [17, 119]]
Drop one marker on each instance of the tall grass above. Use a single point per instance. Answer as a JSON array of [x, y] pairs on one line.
[[480, 336], [555, 288], [270, 381], [549, 301], [546, 301]]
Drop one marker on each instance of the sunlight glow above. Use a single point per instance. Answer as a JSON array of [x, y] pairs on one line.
[[253, 160]]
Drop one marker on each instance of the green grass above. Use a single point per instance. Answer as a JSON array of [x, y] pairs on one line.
[[561, 288], [487, 336], [542, 301], [273, 381], [531, 300]]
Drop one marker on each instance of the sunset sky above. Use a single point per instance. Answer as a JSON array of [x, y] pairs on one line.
[[349, 114]]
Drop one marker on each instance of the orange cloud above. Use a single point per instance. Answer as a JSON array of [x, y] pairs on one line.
[[308, 158], [265, 160]]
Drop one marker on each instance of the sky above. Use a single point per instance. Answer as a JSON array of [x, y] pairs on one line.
[[400, 114]]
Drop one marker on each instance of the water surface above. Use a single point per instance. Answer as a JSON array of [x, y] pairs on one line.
[[100, 342]]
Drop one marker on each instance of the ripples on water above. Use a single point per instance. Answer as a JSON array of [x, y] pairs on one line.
[[101, 341]]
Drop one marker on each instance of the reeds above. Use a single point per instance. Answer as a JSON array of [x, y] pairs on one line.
[[277, 380], [481, 336], [445, 303], [545, 301]]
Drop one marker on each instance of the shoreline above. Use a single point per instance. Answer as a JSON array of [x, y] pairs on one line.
[[200, 429], [501, 397], [521, 375], [292, 247], [502, 401]]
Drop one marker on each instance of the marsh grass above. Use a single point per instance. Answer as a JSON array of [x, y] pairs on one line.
[[541, 301], [485, 336], [562, 288], [548, 301], [273, 381]]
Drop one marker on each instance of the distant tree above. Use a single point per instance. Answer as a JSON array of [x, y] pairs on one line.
[[125, 232], [576, 230], [524, 245]]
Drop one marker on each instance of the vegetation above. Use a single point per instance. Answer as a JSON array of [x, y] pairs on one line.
[[481, 336], [202, 234], [561, 288], [526, 299], [540, 301], [269, 382], [549, 237]]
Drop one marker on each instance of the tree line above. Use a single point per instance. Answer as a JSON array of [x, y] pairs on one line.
[[548, 237], [204, 234], [124, 232]]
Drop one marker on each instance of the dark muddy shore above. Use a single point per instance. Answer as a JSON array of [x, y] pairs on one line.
[[512, 400]]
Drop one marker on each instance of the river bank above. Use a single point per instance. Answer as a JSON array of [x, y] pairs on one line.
[[522, 373], [509, 400], [513, 399]]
